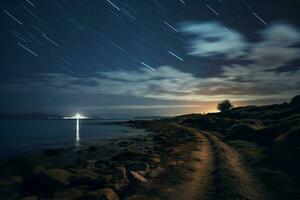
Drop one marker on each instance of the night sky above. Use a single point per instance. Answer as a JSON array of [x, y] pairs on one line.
[[146, 57]]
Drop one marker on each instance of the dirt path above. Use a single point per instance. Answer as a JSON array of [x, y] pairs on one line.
[[200, 178], [218, 173]]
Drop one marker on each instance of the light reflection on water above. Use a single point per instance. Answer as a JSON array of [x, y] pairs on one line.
[[77, 133], [19, 136]]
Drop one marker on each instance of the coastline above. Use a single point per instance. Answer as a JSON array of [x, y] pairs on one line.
[[126, 166], [238, 154]]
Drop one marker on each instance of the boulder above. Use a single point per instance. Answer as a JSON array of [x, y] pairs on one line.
[[83, 177], [137, 177], [121, 186], [120, 179], [102, 194], [137, 181], [119, 173], [102, 166], [156, 160], [140, 167], [55, 176], [90, 165], [155, 172]]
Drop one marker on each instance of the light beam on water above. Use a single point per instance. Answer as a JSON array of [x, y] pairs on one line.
[[77, 130], [77, 117]]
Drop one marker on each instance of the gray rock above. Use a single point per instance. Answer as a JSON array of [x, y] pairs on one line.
[[137, 181], [83, 176], [140, 167], [55, 176], [138, 177]]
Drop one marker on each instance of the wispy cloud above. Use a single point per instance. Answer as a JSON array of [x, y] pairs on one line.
[[276, 47], [261, 79], [214, 39], [236, 82]]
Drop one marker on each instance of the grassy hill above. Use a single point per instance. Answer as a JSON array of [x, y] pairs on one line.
[[269, 136]]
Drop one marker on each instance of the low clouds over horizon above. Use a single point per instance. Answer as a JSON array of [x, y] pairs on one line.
[[264, 77]]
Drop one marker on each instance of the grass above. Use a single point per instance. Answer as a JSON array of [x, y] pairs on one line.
[[252, 153], [275, 180]]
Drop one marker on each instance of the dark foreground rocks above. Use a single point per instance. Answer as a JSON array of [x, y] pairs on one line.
[[121, 169]]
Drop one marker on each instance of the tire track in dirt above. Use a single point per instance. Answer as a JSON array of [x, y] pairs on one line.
[[232, 179], [199, 180], [218, 173]]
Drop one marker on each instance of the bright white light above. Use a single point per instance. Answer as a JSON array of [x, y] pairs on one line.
[[76, 116]]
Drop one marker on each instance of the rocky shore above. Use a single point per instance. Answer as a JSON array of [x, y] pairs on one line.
[[132, 168]]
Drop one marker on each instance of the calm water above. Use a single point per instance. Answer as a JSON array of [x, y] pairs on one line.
[[17, 136]]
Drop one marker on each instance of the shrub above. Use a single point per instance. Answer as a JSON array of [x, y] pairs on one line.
[[225, 105]]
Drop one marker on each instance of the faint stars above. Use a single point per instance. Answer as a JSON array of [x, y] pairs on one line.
[[28, 1], [176, 56], [30, 51], [213, 10], [170, 26], [13, 17], [118, 47], [18, 35], [67, 69], [148, 66], [65, 61], [260, 19], [50, 40], [182, 1], [114, 5]]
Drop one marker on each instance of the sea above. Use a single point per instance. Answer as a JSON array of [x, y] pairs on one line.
[[24, 136]]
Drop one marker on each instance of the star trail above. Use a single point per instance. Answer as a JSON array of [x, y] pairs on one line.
[[86, 55]]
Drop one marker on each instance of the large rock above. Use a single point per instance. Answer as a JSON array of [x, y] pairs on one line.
[[56, 176], [102, 166], [156, 159], [90, 165], [102, 194], [120, 180], [137, 181], [135, 176], [140, 167], [155, 172], [68, 194], [119, 173], [87, 177]]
